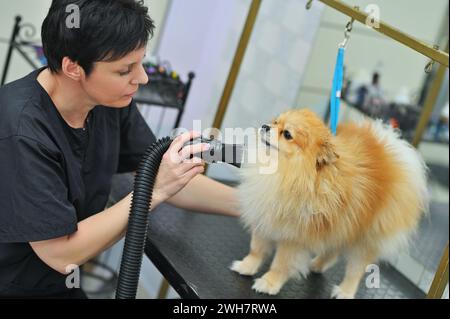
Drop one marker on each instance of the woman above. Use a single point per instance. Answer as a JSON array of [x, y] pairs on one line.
[[64, 131]]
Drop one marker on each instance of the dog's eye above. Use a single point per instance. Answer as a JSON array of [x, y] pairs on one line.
[[287, 135]]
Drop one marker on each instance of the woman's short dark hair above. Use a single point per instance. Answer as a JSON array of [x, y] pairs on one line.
[[107, 31]]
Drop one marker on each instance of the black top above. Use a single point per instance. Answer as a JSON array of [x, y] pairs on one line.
[[53, 176]]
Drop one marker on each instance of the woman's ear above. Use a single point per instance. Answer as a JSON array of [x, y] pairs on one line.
[[72, 69], [327, 155]]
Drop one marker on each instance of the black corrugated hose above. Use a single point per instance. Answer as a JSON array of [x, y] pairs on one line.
[[144, 182]]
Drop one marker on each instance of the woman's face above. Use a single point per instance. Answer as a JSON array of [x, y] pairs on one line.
[[114, 83]]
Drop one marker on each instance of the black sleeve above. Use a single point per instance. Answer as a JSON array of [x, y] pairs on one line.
[[34, 201], [135, 138]]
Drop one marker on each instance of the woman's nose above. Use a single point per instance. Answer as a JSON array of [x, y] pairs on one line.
[[142, 77]]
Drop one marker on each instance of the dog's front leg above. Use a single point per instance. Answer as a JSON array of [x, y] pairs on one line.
[[289, 261], [259, 248], [324, 261], [357, 260]]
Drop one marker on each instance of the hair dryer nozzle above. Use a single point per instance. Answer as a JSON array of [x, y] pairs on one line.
[[219, 152]]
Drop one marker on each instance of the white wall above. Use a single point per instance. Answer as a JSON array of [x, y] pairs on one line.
[[273, 68], [202, 36], [158, 10], [368, 50], [34, 12], [198, 36]]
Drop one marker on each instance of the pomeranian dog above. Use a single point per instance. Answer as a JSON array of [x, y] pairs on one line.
[[359, 194]]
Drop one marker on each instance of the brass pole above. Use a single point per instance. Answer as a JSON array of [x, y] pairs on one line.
[[391, 32], [235, 67], [163, 289], [440, 280], [429, 104]]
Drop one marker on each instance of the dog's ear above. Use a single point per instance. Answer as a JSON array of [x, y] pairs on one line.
[[327, 155]]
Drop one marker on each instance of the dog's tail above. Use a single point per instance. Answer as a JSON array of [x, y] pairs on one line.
[[413, 164], [408, 156]]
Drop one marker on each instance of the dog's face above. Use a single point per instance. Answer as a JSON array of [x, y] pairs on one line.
[[300, 133]]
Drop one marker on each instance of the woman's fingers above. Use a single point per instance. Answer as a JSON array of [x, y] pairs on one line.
[[178, 166], [190, 151], [190, 174], [178, 143], [189, 164]]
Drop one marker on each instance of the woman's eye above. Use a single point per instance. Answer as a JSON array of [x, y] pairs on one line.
[[287, 135], [124, 73]]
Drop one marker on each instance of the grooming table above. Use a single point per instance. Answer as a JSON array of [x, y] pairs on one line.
[[193, 251]]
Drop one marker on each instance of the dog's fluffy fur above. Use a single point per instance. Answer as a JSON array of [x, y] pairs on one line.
[[359, 194]]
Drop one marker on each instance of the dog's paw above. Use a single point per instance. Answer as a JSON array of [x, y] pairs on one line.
[[338, 293], [262, 285], [316, 270], [304, 271], [316, 266], [245, 267]]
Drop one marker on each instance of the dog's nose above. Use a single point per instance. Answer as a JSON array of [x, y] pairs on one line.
[[265, 128]]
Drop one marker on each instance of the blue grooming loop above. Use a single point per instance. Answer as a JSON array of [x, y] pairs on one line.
[[338, 79], [335, 100]]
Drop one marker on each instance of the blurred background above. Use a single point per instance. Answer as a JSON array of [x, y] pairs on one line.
[[289, 63]]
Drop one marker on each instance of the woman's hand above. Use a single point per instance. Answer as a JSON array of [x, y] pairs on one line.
[[178, 166]]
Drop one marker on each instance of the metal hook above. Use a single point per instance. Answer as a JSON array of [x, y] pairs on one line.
[[348, 30], [309, 4], [429, 66]]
